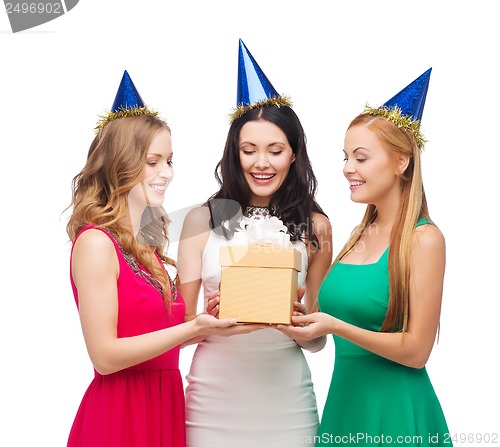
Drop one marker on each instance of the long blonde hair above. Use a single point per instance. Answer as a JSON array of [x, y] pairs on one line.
[[398, 142], [115, 163]]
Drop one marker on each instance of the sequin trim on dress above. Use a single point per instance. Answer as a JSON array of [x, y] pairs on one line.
[[260, 211], [145, 275]]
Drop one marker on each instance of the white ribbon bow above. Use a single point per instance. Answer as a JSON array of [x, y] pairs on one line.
[[265, 230]]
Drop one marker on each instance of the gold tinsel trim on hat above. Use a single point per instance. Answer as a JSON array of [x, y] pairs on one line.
[[122, 113], [395, 115], [280, 101]]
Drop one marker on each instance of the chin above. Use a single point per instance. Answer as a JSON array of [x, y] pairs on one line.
[[359, 200], [260, 194], [156, 204]]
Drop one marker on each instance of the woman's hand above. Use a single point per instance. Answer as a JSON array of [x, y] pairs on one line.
[[305, 339], [299, 309], [206, 322], [210, 325], [213, 299], [308, 327]]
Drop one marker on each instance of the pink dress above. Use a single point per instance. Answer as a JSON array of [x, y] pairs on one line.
[[140, 406]]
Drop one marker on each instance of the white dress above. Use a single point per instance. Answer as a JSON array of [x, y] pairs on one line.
[[248, 390]]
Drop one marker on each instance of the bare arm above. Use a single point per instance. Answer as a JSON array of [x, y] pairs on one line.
[[413, 347], [194, 237], [95, 271], [319, 262]]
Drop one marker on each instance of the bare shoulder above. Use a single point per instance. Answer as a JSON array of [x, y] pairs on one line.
[[322, 225], [201, 213], [321, 254], [428, 238], [195, 233], [197, 220], [93, 241], [94, 254]]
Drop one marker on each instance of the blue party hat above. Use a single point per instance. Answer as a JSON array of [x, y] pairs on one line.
[[127, 102], [127, 96], [411, 99], [254, 88], [405, 109]]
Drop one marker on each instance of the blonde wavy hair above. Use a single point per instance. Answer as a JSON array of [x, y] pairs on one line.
[[397, 142], [114, 165]]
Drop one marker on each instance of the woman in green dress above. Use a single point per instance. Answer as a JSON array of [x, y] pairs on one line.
[[381, 299]]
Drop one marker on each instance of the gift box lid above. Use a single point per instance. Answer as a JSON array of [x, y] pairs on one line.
[[272, 256]]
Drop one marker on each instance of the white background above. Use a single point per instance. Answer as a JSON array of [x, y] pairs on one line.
[[331, 58]]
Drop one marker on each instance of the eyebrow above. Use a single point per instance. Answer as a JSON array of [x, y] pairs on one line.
[[357, 149], [269, 145], [153, 154]]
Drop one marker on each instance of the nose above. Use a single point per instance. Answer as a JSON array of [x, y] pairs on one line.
[[167, 172], [349, 168], [262, 160]]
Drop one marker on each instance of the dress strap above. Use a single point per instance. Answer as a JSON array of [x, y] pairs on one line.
[[423, 221], [133, 263]]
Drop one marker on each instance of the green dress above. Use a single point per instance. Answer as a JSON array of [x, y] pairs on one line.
[[372, 400]]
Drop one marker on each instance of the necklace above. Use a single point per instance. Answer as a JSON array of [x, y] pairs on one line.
[[144, 274], [260, 211]]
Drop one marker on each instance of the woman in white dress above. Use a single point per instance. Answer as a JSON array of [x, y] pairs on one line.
[[254, 389]]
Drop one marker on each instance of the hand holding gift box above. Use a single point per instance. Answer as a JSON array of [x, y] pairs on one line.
[[259, 273]]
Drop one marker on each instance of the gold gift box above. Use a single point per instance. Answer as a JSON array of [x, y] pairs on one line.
[[259, 283]]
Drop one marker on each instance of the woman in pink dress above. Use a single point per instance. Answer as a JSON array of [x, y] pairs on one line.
[[131, 313]]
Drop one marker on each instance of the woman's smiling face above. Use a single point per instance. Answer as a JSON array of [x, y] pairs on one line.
[[371, 171], [265, 158]]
